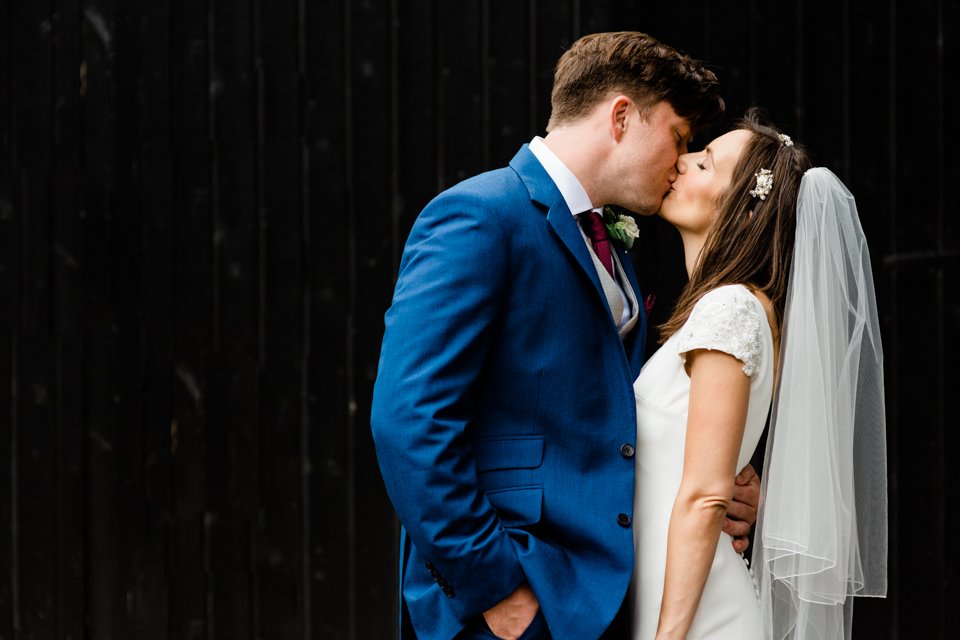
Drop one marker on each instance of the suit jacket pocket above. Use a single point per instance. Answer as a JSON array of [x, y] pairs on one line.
[[517, 506]]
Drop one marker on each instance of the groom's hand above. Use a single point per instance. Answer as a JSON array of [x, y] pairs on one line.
[[510, 617], [742, 513]]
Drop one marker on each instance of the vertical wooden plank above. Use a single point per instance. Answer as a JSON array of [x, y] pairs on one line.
[[459, 90], [227, 519], [728, 46], [417, 105], [951, 381], [187, 567], [824, 72], [871, 82], [371, 235], [948, 36], [325, 177], [234, 123], [106, 194], [126, 278], [68, 304], [777, 63], [36, 428], [32, 64], [158, 316], [8, 514], [891, 359], [918, 400], [285, 567], [508, 69], [232, 461], [9, 320], [552, 32], [9, 236], [920, 158], [871, 157], [921, 487]]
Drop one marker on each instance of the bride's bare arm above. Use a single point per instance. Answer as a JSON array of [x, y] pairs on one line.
[[719, 393]]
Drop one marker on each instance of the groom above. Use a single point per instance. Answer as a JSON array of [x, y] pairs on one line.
[[503, 413]]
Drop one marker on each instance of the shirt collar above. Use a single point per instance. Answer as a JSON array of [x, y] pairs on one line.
[[570, 188]]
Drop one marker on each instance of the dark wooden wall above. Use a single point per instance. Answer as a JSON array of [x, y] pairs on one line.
[[202, 206]]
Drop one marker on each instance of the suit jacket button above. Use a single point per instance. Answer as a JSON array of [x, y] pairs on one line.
[[623, 520], [627, 450]]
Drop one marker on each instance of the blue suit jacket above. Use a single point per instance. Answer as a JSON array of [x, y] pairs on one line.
[[503, 398]]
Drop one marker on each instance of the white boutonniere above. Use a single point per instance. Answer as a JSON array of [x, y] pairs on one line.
[[622, 227]]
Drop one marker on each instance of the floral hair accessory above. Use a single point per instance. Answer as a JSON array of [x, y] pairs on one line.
[[764, 184], [785, 140], [622, 227]]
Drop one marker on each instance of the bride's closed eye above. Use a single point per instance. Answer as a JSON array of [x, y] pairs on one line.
[[701, 166]]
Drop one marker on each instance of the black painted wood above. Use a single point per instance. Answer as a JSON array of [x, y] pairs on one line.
[[327, 183], [870, 174], [10, 241], [67, 284], [202, 209], [159, 297], [35, 475], [370, 212], [283, 543], [186, 558]]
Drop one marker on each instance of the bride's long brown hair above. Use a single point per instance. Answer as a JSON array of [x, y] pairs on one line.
[[751, 240]]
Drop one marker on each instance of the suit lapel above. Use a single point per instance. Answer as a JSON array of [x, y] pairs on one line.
[[544, 192], [566, 228]]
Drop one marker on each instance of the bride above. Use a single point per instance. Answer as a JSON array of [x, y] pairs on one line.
[[779, 309]]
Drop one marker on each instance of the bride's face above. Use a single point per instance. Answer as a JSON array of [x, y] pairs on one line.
[[691, 203]]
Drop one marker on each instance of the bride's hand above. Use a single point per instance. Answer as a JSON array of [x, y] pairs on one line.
[[742, 513]]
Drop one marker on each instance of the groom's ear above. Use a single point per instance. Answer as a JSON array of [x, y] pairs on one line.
[[620, 109]]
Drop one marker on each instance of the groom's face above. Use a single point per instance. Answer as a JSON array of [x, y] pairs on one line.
[[654, 143]]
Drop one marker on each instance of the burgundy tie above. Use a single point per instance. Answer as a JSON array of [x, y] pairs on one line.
[[592, 224]]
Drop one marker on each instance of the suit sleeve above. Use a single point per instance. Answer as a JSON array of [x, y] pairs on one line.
[[439, 329]]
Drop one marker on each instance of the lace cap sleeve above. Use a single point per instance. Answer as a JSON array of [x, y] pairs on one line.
[[726, 319]]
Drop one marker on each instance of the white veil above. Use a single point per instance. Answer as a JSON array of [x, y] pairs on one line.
[[822, 529]]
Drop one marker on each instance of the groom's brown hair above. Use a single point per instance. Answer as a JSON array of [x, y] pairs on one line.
[[640, 67]]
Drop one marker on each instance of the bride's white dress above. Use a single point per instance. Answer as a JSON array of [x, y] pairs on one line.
[[732, 320]]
